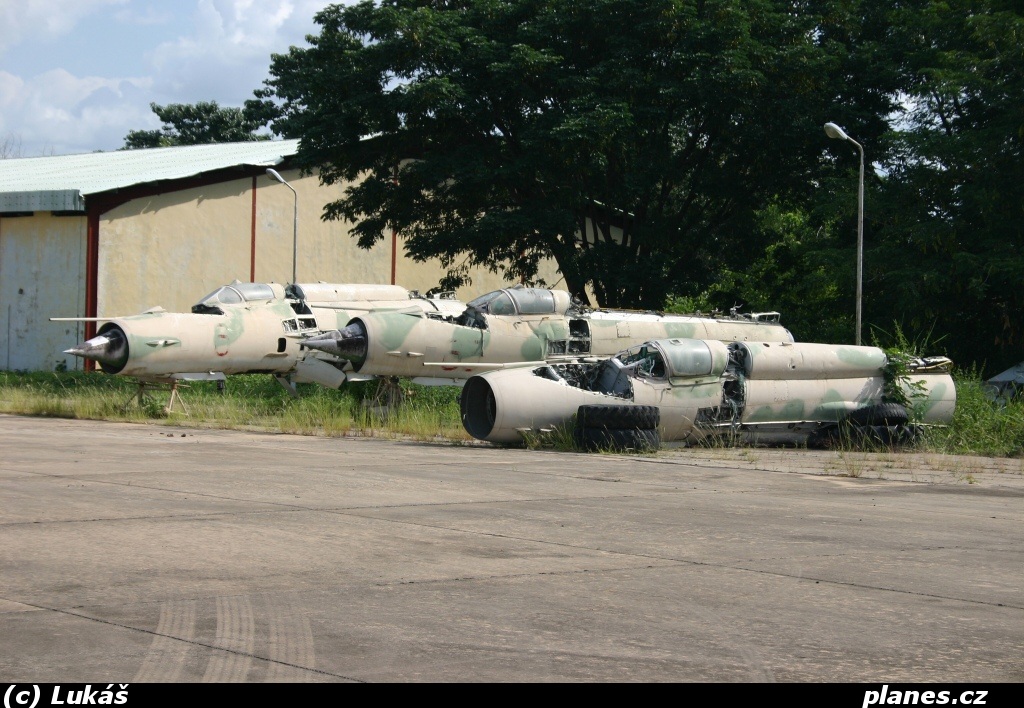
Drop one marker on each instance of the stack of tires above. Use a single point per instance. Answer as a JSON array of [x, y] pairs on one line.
[[617, 428], [881, 424]]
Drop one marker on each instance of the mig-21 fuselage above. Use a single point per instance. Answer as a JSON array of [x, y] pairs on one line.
[[516, 325], [246, 328]]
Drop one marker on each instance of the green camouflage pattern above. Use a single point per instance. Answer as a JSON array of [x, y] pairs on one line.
[[768, 391], [413, 345], [242, 328]]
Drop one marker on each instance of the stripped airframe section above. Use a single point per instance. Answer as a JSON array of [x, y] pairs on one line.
[[518, 325], [763, 391]]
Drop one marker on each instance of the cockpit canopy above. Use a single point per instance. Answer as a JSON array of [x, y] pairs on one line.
[[678, 358], [522, 301], [237, 293]]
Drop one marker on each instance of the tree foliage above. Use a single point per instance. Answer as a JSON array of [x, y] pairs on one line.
[[951, 211], [502, 132], [661, 148], [197, 124], [944, 205]]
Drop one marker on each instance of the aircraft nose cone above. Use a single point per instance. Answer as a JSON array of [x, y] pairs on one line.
[[108, 349], [349, 343]]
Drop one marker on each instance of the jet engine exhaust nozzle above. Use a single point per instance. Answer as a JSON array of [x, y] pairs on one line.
[[479, 408]]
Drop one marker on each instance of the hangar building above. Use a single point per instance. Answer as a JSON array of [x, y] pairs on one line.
[[110, 234]]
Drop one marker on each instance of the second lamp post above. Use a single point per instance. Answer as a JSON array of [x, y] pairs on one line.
[[295, 219], [834, 131]]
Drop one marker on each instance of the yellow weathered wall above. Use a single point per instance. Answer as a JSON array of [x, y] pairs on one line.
[[172, 249], [184, 244], [42, 275], [326, 251], [424, 276]]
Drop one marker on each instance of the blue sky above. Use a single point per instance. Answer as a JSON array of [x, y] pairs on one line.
[[77, 75]]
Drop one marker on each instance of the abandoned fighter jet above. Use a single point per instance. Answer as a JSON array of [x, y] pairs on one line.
[[245, 328], [690, 389], [515, 325]]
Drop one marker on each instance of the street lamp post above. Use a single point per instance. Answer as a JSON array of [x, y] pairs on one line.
[[834, 131], [295, 220]]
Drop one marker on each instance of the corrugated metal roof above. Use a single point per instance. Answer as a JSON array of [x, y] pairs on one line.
[[44, 183]]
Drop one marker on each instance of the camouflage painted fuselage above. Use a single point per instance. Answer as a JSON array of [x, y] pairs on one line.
[[255, 330], [410, 345], [763, 390], [257, 338]]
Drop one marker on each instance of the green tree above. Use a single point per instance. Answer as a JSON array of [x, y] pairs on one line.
[[807, 272], [497, 133], [197, 124], [950, 214]]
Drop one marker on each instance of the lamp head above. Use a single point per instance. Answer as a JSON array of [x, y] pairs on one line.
[[834, 131], [275, 176]]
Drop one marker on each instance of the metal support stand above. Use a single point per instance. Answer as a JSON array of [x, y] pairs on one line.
[[142, 393], [176, 396], [387, 398]]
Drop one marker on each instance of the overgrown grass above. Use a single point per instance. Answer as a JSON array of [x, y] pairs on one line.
[[559, 438], [980, 425], [251, 402]]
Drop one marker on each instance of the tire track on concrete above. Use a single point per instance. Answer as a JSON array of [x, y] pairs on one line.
[[169, 650], [236, 633], [289, 644]]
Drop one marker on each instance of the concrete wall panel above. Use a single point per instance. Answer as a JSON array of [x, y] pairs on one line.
[[42, 275]]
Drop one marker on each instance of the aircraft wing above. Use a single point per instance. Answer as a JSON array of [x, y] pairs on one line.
[[480, 366], [180, 377], [199, 376], [82, 319], [342, 306], [402, 309]]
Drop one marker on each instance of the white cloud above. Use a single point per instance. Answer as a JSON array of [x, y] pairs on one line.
[[141, 17], [57, 112], [24, 20], [205, 50], [225, 27], [235, 36]]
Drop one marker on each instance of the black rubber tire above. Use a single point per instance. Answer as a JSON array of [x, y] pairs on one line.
[[824, 438], [617, 439], [619, 417], [850, 436], [879, 414], [891, 435], [911, 434]]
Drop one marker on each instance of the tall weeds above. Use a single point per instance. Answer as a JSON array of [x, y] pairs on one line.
[[252, 402], [980, 425]]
